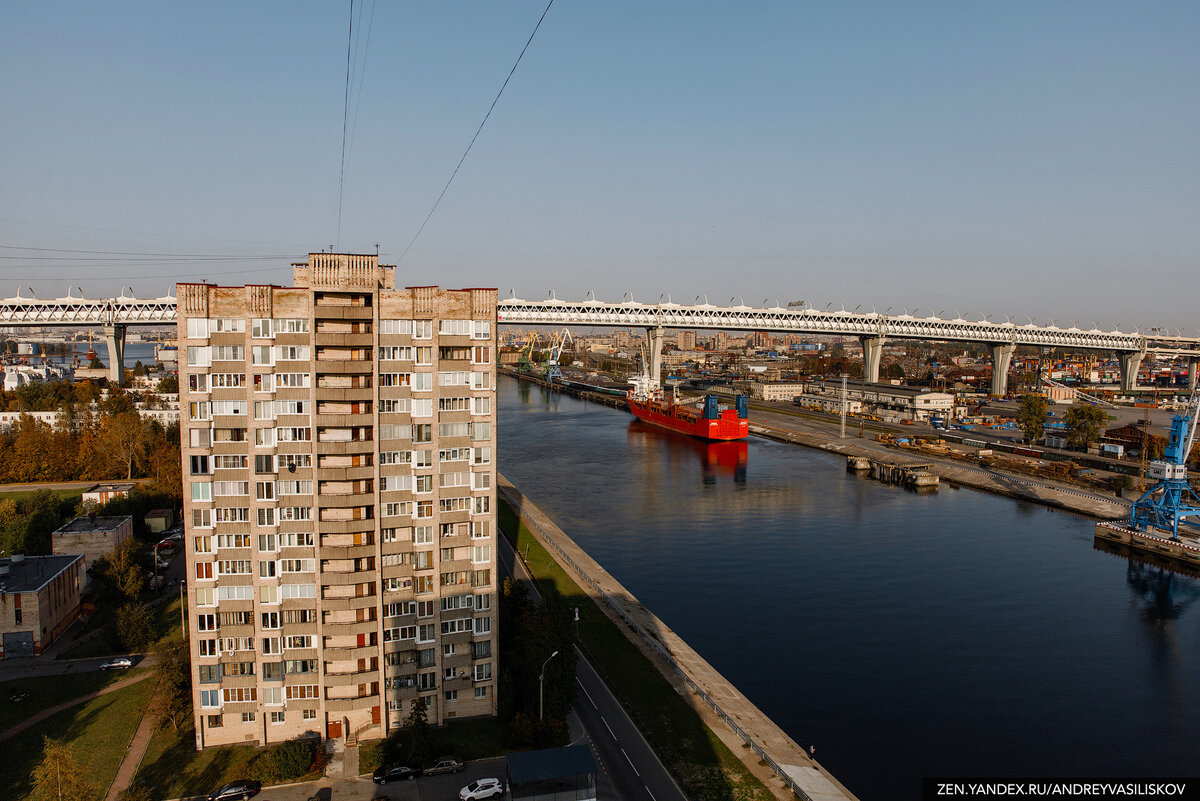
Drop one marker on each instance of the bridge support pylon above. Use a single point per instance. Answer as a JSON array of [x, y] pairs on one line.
[[872, 355], [115, 335], [1193, 365], [1001, 360], [654, 343], [1130, 364]]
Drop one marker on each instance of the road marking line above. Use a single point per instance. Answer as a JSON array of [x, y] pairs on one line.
[[630, 761], [605, 722], [585, 692], [647, 789]]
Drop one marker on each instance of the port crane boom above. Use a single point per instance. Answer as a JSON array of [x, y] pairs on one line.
[[1172, 500]]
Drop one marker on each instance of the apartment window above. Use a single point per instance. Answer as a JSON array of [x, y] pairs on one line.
[[451, 695], [308, 714], [247, 717], [422, 329], [423, 584], [199, 465], [481, 329], [480, 693], [270, 620], [481, 649], [276, 718], [483, 672], [200, 437], [210, 699], [423, 535], [210, 674]]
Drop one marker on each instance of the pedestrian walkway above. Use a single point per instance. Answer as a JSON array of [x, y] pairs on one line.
[[132, 759], [54, 710]]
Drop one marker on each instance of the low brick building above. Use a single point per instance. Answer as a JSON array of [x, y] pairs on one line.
[[101, 494], [39, 598], [92, 537]]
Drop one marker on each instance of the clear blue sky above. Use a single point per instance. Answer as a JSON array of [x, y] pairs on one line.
[[1005, 158]]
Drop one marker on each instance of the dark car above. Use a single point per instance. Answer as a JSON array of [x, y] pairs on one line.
[[244, 788], [446, 764], [391, 773]]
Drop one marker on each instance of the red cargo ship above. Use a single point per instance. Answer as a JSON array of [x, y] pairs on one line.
[[710, 422]]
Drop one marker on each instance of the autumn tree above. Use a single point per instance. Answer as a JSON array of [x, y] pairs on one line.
[[119, 575], [1031, 416], [59, 776], [122, 437], [134, 623], [1084, 424], [171, 703]]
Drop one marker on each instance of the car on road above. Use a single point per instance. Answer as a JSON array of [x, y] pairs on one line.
[[241, 789], [483, 788], [394, 772], [17, 695], [118, 663], [446, 764]]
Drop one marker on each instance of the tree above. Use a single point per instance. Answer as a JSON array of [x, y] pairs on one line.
[[168, 384], [1084, 424], [172, 699], [134, 623], [139, 369], [416, 726], [59, 777], [95, 363], [122, 435], [1031, 416], [119, 576]]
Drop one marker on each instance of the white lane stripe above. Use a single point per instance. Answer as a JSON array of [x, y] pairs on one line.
[[605, 722], [647, 789], [630, 761], [585, 692]]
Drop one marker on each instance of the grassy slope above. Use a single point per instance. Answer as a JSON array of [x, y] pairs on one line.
[[700, 762], [47, 691], [97, 733]]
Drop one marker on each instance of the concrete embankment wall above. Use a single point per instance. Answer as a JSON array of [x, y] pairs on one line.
[[737, 721]]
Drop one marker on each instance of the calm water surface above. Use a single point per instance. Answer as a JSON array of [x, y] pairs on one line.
[[904, 635]]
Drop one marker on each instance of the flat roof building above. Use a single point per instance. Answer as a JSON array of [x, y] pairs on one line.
[[101, 494], [338, 445], [39, 598], [91, 537], [888, 401]]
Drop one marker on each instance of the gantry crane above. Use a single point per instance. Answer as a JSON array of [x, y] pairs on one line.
[[525, 363], [1172, 499]]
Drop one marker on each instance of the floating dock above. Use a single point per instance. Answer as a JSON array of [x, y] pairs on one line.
[[1183, 551], [915, 476]]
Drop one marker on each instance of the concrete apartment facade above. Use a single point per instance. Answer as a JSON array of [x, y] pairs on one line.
[[338, 442], [92, 537], [39, 598]]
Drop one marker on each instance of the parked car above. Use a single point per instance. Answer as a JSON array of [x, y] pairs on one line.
[[446, 764], [394, 772], [118, 663], [483, 788], [241, 789], [16, 695]]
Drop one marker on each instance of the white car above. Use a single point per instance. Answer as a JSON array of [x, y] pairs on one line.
[[119, 663], [483, 788]]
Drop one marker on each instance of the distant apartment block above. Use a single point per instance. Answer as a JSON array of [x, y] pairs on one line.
[[338, 454], [39, 598]]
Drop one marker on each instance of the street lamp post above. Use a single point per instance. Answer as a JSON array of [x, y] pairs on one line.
[[541, 685]]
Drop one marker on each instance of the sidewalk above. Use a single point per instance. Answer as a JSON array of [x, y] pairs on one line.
[[133, 758]]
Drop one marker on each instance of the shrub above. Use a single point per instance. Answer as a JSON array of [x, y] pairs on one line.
[[294, 758]]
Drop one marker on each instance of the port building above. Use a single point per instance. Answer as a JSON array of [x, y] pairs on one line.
[[338, 446]]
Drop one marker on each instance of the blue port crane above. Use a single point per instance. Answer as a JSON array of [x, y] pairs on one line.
[[557, 342], [1172, 499]]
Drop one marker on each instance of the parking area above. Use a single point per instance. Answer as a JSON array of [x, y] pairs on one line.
[[425, 788]]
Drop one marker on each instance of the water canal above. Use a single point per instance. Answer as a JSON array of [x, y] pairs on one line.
[[906, 636]]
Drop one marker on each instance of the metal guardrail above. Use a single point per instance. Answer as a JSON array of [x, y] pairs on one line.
[[658, 648]]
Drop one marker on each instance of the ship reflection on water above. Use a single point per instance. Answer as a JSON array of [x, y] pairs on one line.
[[718, 460]]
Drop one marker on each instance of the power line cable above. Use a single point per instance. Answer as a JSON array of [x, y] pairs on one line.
[[476, 136], [362, 72], [139, 253], [345, 119]]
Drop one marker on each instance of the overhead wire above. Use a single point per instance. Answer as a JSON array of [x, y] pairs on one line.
[[477, 132], [345, 119]]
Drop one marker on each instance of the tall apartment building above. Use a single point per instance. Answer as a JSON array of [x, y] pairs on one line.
[[338, 454]]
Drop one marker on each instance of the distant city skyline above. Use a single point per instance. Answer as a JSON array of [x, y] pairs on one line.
[[1021, 159]]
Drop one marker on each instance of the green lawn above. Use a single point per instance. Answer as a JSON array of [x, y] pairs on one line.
[[705, 768], [47, 691], [73, 495], [97, 733], [173, 768], [166, 626]]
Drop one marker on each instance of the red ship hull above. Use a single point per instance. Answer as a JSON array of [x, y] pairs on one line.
[[689, 421]]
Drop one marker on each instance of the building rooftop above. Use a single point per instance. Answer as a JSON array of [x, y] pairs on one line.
[[34, 572], [91, 525], [117, 486], [549, 763], [891, 389]]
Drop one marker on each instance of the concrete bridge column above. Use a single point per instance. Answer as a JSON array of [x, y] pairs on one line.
[[654, 342], [1001, 359], [872, 355], [115, 334], [1130, 364], [1193, 365]]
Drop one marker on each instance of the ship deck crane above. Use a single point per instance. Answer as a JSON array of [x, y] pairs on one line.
[[1172, 500]]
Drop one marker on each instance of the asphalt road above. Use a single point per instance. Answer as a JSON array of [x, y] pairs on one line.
[[628, 766]]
